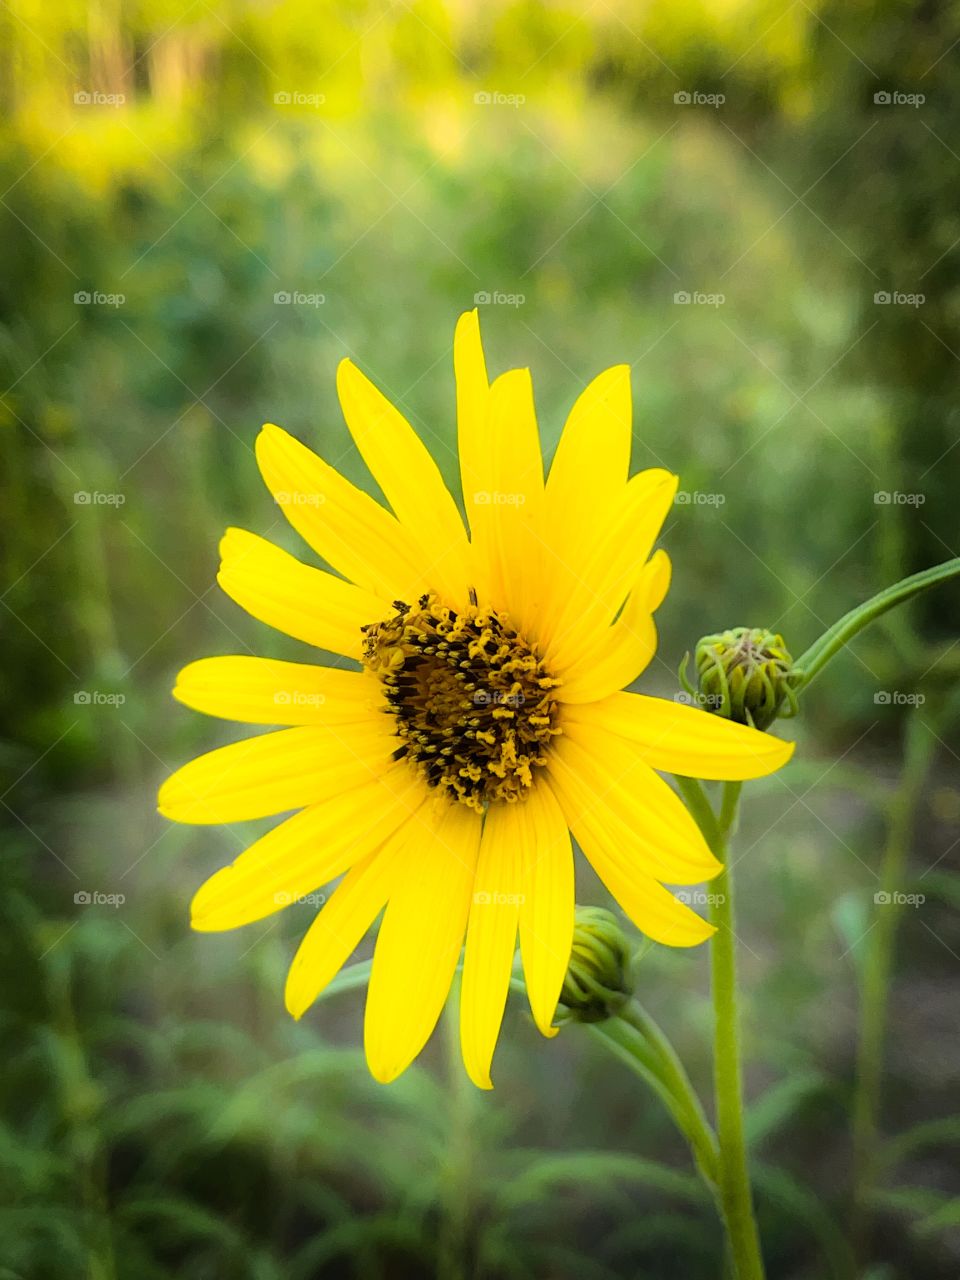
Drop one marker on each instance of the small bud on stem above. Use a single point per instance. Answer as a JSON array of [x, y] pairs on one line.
[[746, 675], [598, 982]]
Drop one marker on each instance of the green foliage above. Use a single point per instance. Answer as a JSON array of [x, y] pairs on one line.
[[159, 1113]]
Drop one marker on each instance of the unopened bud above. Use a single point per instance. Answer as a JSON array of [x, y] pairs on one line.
[[745, 675], [598, 981]]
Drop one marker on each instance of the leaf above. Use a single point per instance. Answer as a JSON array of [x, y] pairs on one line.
[[785, 1189], [781, 1101], [931, 1133], [851, 917], [598, 1168]]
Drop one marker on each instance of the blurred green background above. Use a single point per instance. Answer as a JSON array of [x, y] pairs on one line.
[[167, 172]]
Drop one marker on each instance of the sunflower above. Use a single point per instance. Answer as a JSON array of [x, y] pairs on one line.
[[477, 721]]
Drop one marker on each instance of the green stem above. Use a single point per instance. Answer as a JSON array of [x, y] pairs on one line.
[[876, 974], [458, 1164], [696, 1127], [842, 632], [735, 1192]]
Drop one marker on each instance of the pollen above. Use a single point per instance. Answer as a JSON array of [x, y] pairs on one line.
[[474, 706]]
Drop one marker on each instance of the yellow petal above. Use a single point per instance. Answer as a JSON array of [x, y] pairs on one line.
[[491, 939], [305, 603], [275, 772], [606, 778], [685, 740], [593, 597], [589, 470], [472, 409], [420, 939], [546, 912], [265, 691], [651, 907], [344, 525], [307, 851], [624, 651], [411, 481], [506, 510], [341, 924]]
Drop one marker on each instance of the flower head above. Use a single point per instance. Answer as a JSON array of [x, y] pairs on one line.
[[470, 717]]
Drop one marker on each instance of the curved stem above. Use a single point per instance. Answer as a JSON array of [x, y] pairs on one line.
[[832, 641], [696, 1127]]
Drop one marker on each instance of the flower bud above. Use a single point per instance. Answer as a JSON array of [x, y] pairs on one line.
[[745, 675], [598, 982]]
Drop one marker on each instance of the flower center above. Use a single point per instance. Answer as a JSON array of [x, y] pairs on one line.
[[473, 703]]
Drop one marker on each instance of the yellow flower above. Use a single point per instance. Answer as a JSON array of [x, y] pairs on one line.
[[481, 721]]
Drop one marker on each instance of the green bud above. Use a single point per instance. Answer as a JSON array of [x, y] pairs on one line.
[[598, 982], [745, 675]]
